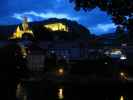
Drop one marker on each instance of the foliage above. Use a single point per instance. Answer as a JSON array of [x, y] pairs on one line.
[[121, 35], [120, 10], [41, 32], [3, 37], [74, 33]]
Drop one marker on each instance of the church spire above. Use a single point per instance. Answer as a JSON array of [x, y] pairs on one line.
[[25, 24], [25, 30]]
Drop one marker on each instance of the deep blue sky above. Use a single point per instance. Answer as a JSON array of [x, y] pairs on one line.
[[12, 12]]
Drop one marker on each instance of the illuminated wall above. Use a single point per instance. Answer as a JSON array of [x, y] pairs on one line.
[[57, 27], [18, 33]]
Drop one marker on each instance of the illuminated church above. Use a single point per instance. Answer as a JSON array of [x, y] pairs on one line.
[[70, 43], [21, 30]]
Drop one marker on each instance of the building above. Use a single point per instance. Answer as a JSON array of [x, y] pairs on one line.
[[71, 50], [56, 27], [22, 29], [35, 58]]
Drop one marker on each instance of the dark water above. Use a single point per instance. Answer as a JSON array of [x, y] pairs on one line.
[[46, 90]]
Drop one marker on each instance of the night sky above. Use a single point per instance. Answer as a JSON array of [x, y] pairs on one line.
[[12, 12]]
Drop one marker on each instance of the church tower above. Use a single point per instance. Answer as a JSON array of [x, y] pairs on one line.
[[18, 34], [25, 24]]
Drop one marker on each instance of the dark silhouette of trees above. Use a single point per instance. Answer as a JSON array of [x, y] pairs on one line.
[[120, 10], [41, 33], [8, 74], [3, 36], [75, 31], [50, 61], [10, 60], [27, 36], [120, 35]]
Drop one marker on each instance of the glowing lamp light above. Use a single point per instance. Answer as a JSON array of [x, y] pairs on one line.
[[107, 52], [105, 63], [60, 93], [64, 57], [116, 52], [123, 57], [24, 56], [122, 74], [61, 71], [52, 51], [23, 51], [18, 90]]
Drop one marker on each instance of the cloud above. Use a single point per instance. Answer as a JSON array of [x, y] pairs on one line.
[[103, 28], [17, 16], [20, 17], [33, 14], [12, 12], [106, 27]]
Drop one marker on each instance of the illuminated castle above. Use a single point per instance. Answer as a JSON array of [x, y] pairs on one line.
[[24, 28], [56, 27]]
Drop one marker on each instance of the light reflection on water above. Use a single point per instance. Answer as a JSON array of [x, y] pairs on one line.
[[74, 92], [122, 98], [60, 93]]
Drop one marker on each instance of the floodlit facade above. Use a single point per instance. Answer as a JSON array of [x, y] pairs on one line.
[[25, 29], [57, 27]]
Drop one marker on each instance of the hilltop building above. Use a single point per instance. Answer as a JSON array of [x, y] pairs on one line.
[[57, 27], [21, 30]]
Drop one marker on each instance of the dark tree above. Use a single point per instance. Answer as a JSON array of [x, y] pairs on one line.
[[12, 69], [41, 33], [120, 10], [3, 36], [121, 35], [8, 74]]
